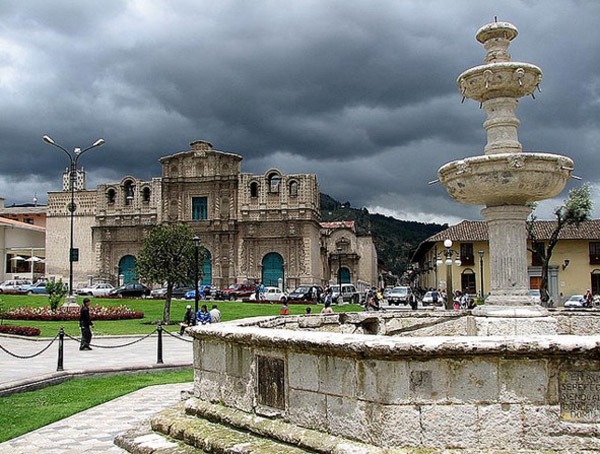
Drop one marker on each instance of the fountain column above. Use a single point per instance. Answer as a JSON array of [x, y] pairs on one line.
[[504, 179]]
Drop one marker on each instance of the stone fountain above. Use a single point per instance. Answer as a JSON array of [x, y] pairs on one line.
[[504, 179], [508, 378]]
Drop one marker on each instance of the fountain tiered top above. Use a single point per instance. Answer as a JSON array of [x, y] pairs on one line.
[[505, 175]]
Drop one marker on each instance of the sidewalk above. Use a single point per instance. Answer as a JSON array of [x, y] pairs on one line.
[[94, 429]]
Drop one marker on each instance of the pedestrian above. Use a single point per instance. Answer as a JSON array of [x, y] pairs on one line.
[[215, 314], [413, 301], [329, 296], [434, 297], [189, 319], [85, 323], [203, 316], [257, 292], [285, 310], [261, 290], [327, 309], [588, 298]]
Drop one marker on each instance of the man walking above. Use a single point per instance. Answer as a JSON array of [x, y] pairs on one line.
[[85, 323]]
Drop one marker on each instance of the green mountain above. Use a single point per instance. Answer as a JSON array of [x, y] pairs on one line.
[[395, 240]]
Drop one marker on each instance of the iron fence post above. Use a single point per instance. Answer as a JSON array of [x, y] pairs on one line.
[[159, 353], [61, 339]]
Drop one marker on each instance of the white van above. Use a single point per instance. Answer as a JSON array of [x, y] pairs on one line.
[[349, 294]]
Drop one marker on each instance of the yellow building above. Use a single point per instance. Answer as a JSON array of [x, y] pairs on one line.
[[574, 266]]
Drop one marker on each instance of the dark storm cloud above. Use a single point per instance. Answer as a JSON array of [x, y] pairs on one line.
[[361, 93]]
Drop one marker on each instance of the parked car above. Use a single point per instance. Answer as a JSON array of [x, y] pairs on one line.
[[177, 292], [130, 291], [428, 299], [399, 295], [204, 290], [535, 295], [238, 291], [100, 289], [349, 294], [272, 294], [15, 286], [39, 288], [306, 293], [575, 301]]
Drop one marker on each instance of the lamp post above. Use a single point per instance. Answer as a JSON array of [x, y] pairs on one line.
[[73, 158], [481, 254], [340, 299], [449, 253], [196, 241]]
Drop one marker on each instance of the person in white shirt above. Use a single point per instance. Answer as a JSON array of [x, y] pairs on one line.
[[215, 314]]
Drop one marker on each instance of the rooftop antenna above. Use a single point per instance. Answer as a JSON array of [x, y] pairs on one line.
[[35, 199]]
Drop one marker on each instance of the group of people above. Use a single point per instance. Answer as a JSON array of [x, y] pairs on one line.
[[462, 300], [202, 317]]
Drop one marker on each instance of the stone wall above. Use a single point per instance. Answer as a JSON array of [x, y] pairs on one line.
[[431, 392]]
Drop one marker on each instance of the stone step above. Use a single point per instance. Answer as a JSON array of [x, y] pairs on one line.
[[173, 432]]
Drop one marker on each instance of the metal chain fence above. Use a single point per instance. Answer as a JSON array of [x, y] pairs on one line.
[[61, 335]]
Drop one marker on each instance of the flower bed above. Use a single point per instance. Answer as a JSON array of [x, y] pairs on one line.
[[61, 314], [19, 330]]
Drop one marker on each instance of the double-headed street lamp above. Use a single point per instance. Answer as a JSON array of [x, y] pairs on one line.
[[73, 158], [196, 241], [449, 253]]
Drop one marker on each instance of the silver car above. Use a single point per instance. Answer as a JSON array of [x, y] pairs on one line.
[[575, 301]]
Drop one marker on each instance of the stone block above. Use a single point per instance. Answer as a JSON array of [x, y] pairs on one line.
[[385, 382], [308, 409], [449, 426], [238, 393], [347, 417], [500, 425], [337, 376], [208, 386], [523, 381], [473, 380], [392, 426], [213, 356], [238, 360], [428, 381], [303, 371]]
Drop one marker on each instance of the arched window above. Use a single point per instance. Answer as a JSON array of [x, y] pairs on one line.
[[128, 187], [274, 182], [293, 191], [110, 196], [146, 195], [254, 189]]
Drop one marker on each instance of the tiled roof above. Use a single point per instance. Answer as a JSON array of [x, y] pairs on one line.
[[22, 225], [478, 231]]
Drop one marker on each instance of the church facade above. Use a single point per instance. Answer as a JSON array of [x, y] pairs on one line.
[[254, 227]]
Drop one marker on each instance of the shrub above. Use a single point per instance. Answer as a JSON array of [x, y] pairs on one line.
[[19, 330], [47, 314], [56, 291]]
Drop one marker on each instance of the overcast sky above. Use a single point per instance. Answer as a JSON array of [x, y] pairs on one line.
[[362, 93]]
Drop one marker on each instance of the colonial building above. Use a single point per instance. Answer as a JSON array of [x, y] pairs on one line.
[[254, 227], [574, 266]]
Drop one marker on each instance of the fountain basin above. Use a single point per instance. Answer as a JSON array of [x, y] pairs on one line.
[[506, 178], [501, 79], [318, 373]]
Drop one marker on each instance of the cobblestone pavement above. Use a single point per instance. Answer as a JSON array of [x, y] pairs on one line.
[[92, 430]]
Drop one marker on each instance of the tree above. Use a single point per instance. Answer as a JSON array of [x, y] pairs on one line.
[[575, 209], [168, 256], [56, 291]]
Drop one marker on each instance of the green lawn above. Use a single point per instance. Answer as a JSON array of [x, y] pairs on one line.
[[153, 311], [23, 412]]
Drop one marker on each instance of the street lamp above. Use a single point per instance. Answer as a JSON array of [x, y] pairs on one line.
[[73, 158], [340, 299], [196, 241], [449, 253], [481, 254]]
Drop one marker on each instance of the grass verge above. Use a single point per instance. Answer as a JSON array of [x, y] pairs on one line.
[[153, 311], [23, 412]]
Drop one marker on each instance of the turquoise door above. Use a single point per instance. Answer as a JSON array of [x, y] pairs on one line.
[[207, 268], [127, 269], [272, 269], [345, 275]]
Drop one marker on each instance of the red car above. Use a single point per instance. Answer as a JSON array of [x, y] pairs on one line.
[[238, 291]]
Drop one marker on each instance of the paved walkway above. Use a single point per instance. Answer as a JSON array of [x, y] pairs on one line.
[[92, 430]]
